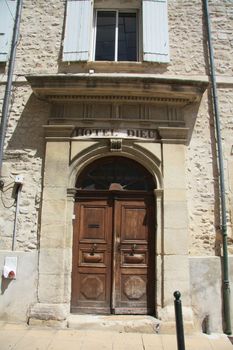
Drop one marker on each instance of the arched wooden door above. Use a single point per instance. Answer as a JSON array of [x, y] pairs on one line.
[[114, 240]]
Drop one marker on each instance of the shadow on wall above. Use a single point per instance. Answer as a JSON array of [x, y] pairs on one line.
[[190, 118], [28, 133], [18, 294], [2, 68], [5, 283]]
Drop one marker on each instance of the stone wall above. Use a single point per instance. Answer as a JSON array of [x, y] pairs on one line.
[[202, 176], [23, 156], [226, 111], [41, 28], [205, 277], [18, 294], [221, 15]]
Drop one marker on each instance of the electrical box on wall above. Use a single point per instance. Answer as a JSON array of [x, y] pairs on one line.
[[10, 267], [19, 179]]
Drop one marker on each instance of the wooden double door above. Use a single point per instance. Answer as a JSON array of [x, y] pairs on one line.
[[113, 254]]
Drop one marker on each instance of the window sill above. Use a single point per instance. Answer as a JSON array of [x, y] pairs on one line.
[[138, 67], [125, 67], [122, 65]]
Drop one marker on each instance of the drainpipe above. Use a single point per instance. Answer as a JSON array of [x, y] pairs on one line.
[[7, 96], [18, 194], [225, 282]]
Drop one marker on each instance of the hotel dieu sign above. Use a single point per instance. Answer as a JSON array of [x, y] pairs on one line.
[[150, 134]]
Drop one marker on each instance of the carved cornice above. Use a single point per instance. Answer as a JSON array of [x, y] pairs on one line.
[[71, 193], [158, 194], [173, 133], [120, 98], [127, 87], [58, 131]]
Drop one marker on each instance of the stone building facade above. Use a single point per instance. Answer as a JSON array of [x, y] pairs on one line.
[[70, 116]]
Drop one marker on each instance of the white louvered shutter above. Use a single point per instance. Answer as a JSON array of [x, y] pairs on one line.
[[77, 30], [155, 31], [7, 19]]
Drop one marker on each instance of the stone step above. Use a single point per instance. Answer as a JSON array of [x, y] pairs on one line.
[[115, 323]]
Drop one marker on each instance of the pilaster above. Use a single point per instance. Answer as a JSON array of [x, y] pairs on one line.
[[55, 255]]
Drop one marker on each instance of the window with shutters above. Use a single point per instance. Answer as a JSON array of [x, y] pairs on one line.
[[7, 18], [116, 31]]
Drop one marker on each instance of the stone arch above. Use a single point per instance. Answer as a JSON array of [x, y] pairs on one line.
[[97, 151]]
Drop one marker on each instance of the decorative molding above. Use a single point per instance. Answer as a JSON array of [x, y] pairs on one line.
[[173, 133], [158, 194], [117, 112], [115, 145], [71, 193], [58, 131], [120, 98]]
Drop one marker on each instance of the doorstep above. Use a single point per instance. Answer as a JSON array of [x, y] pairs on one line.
[[115, 323]]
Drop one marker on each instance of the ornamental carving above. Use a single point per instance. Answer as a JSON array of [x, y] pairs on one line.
[[92, 287], [134, 288], [116, 145]]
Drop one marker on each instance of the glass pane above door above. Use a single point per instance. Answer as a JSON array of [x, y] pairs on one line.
[[116, 173]]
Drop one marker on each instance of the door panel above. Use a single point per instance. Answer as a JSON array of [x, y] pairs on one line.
[[93, 220], [92, 246], [113, 256], [134, 281], [133, 222]]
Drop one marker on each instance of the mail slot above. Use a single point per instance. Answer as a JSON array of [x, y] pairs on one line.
[[93, 226]]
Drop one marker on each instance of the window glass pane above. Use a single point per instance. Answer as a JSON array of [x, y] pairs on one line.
[[117, 170], [105, 36], [127, 38]]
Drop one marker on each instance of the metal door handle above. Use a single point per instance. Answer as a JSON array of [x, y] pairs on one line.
[[133, 247], [94, 247]]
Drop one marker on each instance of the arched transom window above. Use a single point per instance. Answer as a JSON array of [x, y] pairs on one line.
[[117, 173]]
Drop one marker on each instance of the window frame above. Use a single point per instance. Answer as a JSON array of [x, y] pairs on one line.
[[138, 33]]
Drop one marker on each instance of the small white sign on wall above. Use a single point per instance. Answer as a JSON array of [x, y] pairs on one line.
[[10, 267]]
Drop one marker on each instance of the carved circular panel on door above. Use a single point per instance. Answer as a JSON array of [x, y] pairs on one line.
[[92, 287], [134, 288]]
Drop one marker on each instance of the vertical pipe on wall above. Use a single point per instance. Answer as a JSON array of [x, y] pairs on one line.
[[226, 283], [18, 194], [7, 95]]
